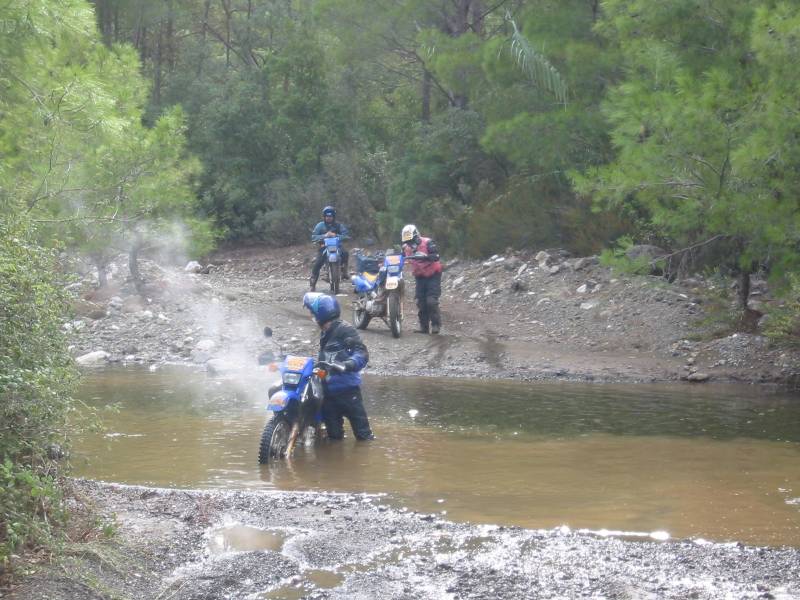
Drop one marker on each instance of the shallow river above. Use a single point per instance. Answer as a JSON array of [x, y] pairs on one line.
[[720, 463]]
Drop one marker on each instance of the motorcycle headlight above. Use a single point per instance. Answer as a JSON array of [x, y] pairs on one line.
[[291, 378]]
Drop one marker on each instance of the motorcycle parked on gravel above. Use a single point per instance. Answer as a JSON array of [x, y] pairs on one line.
[[333, 261], [379, 291]]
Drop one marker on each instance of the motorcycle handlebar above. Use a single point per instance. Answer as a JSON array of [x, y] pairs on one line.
[[330, 366]]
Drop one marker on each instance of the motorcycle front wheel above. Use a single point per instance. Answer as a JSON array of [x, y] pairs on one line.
[[333, 270], [361, 317], [274, 439], [395, 313]]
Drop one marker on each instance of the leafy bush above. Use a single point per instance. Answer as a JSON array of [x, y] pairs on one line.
[[783, 322], [617, 258], [36, 380], [31, 503]]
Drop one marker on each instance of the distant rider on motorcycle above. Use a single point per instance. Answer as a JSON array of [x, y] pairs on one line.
[[328, 227], [427, 272], [340, 344]]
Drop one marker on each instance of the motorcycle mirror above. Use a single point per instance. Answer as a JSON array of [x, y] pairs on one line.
[[266, 357], [268, 332]]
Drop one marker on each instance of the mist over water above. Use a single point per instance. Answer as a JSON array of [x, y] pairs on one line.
[[718, 462]]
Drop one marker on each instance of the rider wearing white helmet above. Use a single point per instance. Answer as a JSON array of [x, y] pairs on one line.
[[427, 271]]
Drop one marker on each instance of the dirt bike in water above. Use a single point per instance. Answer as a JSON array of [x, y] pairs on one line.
[[296, 405], [295, 401], [333, 261], [380, 291]]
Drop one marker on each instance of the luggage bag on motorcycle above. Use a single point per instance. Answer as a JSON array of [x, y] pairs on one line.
[[367, 264]]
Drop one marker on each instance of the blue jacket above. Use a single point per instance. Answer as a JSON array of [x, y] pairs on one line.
[[341, 343], [322, 228]]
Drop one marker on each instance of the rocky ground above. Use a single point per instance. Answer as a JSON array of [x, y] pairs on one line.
[[522, 315], [182, 545]]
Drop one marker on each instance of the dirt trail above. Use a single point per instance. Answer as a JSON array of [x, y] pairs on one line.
[[532, 317], [516, 316]]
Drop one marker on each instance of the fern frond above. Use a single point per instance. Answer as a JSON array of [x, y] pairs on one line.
[[536, 66]]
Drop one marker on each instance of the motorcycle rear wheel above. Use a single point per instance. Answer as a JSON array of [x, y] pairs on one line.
[[335, 276], [274, 439], [395, 313]]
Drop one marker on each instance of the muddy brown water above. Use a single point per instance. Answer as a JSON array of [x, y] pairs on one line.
[[712, 462]]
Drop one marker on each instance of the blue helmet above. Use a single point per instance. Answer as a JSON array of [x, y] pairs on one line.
[[328, 211], [324, 308]]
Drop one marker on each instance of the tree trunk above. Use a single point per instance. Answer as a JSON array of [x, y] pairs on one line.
[[170, 41], [477, 11], [157, 66], [133, 262], [102, 273], [426, 96], [104, 18], [143, 46], [203, 37], [744, 287], [595, 10], [116, 23], [458, 22], [456, 25], [227, 9]]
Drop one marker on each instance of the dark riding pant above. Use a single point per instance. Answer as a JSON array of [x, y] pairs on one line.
[[320, 261], [346, 404], [427, 296]]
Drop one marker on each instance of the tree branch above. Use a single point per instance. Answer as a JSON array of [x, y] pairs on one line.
[[719, 236], [95, 219]]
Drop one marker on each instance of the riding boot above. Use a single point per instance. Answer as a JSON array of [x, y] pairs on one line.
[[435, 316], [312, 283]]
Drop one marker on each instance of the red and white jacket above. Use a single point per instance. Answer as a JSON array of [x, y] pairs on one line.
[[423, 268]]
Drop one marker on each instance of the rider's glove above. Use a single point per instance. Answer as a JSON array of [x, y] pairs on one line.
[[338, 367], [350, 365]]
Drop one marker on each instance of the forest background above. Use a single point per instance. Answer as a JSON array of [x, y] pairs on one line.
[[142, 125]]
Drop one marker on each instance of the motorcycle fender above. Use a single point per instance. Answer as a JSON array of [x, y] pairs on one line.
[[392, 283], [280, 400]]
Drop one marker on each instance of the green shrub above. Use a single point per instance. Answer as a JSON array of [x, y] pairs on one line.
[[783, 322], [31, 505], [36, 381], [618, 259]]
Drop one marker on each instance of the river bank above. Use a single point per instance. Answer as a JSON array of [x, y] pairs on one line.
[[182, 544], [523, 315]]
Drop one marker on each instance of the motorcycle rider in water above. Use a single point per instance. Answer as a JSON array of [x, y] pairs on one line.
[[340, 345], [427, 273], [328, 227]]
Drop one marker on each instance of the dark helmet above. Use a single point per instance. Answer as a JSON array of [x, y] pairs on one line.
[[324, 308], [328, 211]]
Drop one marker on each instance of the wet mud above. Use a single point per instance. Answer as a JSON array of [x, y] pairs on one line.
[[203, 544]]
